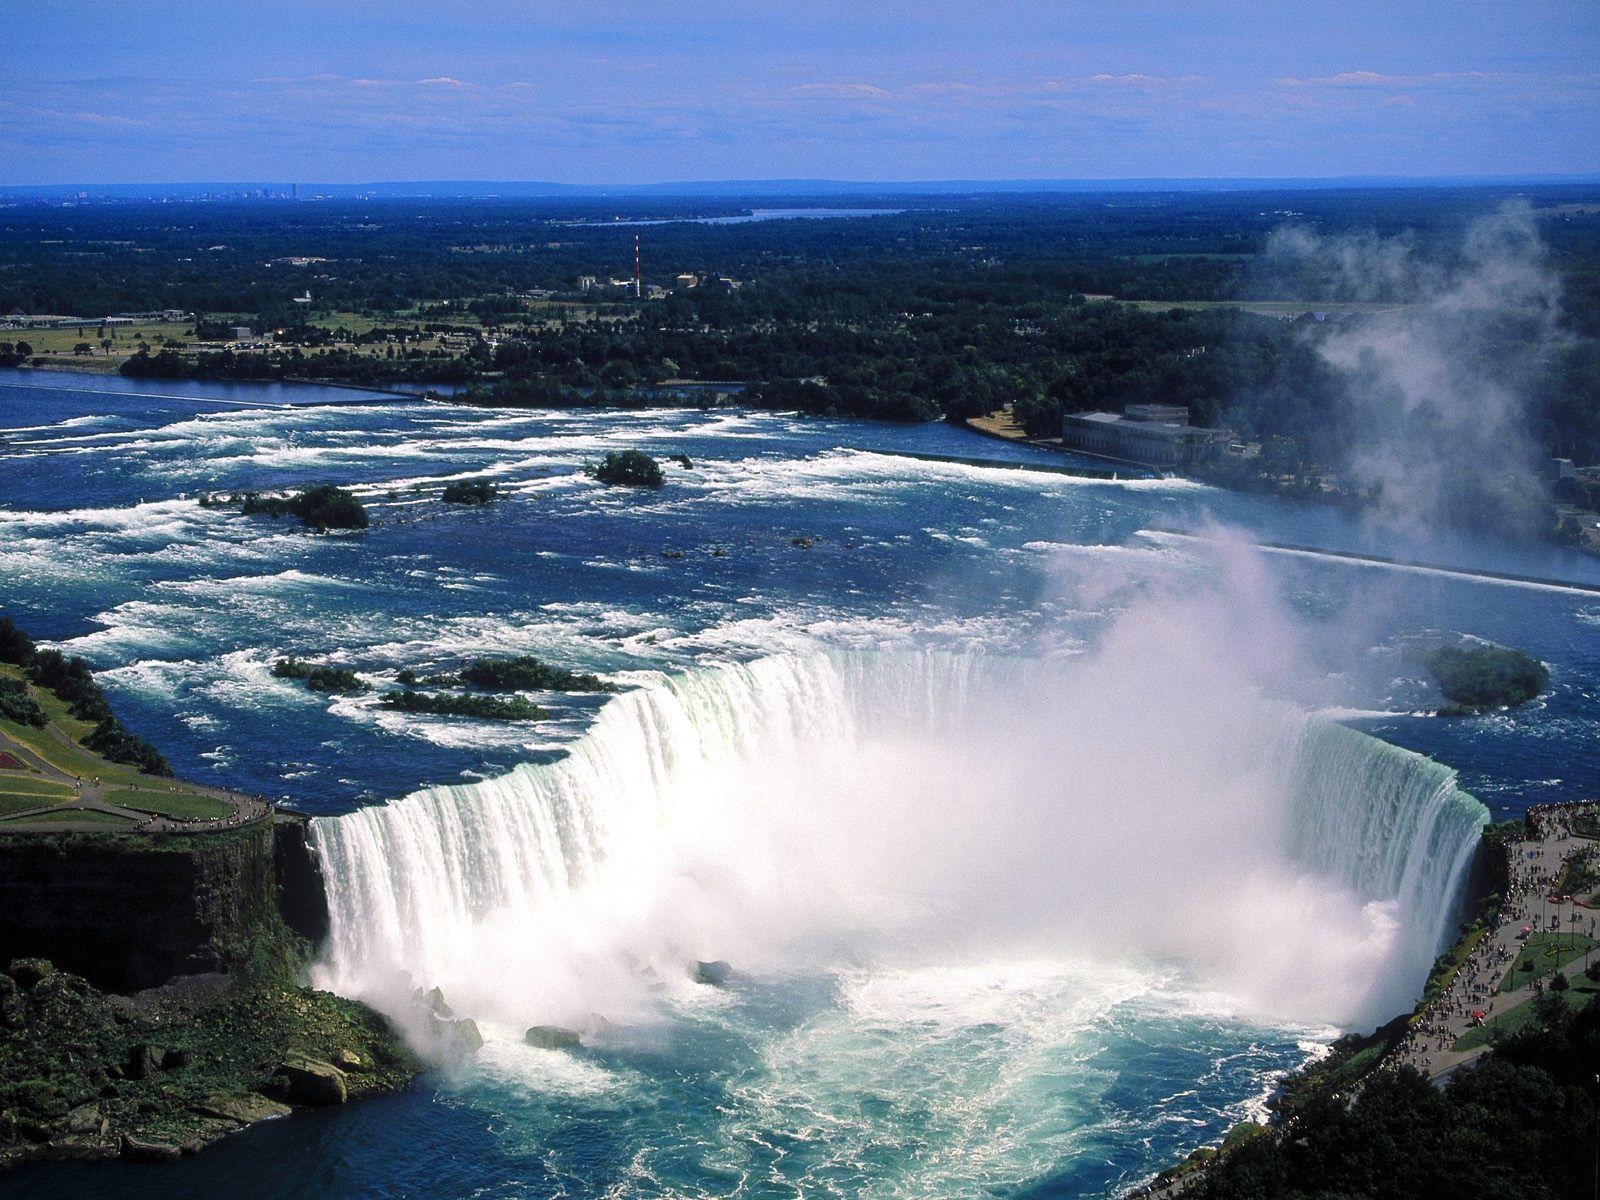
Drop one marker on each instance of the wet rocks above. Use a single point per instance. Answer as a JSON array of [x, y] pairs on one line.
[[458, 1037], [714, 973], [311, 1082], [242, 1110], [137, 1149], [553, 1037]]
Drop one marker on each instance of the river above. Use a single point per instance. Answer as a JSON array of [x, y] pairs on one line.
[[1019, 819]]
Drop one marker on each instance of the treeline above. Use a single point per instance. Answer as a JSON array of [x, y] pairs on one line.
[[381, 256], [948, 308], [70, 679]]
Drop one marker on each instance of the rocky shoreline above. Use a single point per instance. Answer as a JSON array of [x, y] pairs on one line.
[[154, 1000], [162, 1073]]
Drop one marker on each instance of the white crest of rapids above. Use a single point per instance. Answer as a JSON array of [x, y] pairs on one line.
[[856, 807]]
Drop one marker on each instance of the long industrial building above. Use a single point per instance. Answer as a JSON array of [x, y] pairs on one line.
[[1157, 435]]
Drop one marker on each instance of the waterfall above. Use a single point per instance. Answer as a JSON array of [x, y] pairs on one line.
[[406, 879], [1387, 822], [891, 791]]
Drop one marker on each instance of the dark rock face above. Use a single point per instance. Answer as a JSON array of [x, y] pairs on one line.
[[129, 913], [149, 1060], [714, 973], [302, 899], [311, 1082], [144, 1061]]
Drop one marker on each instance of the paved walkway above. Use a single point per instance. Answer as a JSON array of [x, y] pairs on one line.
[[92, 795], [1534, 866]]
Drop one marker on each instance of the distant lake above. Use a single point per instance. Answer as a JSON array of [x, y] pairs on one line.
[[759, 214]]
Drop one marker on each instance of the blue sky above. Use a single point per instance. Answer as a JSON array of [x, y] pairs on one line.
[[597, 92]]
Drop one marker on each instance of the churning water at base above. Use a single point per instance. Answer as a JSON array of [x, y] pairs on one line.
[[985, 934]]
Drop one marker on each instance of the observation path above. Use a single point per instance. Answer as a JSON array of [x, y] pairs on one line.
[[1531, 907], [134, 804]]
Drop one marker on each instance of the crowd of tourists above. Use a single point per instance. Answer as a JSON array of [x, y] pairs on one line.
[[1533, 871]]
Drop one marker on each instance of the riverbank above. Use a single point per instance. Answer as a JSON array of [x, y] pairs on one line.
[[1537, 932], [154, 999], [101, 369], [1532, 940]]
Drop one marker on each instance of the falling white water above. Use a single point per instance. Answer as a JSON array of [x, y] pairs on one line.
[[808, 811], [1386, 822]]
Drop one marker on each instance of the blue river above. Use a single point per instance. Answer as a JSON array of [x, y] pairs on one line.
[[1076, 1071]]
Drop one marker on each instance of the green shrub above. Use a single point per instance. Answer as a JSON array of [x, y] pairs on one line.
[[476, 491], [629, 468], [16, 704], [1486, 676]]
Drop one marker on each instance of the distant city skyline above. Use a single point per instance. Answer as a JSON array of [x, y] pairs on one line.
[[623, 92]]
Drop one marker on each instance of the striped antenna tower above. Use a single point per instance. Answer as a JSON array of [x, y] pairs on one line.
[[638, 289]]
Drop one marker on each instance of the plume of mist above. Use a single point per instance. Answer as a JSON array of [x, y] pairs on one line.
[[1436, 412], [1132, 804]]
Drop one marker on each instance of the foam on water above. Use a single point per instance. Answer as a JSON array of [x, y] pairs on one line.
[[941, 961], [952, 872]]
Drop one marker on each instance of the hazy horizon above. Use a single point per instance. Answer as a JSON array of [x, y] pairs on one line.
[[689, 90], [784, 186]]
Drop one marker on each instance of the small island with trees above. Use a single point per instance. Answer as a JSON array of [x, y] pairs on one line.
[[471, 492], [525, 673], [629, 468], [319, 508], [443, 695], [334, 680], [1478, 678]]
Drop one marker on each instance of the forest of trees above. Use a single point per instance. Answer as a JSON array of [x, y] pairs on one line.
[[946, 307]]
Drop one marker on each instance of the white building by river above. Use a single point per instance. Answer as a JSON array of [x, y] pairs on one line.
[[1155, 434]]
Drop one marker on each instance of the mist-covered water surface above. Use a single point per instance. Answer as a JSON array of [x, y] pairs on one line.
[[1021, 820]]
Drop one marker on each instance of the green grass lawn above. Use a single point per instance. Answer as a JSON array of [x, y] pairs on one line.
[[186, 805], [1546, 952], [70, 758], [28, 787], [62, 341], [10, 803], [72, 816], [1508, 1022]]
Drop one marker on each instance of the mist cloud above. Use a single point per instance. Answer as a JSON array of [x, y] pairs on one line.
[[1436, 417]]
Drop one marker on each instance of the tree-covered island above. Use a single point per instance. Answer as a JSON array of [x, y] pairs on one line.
[[1475, 678]]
